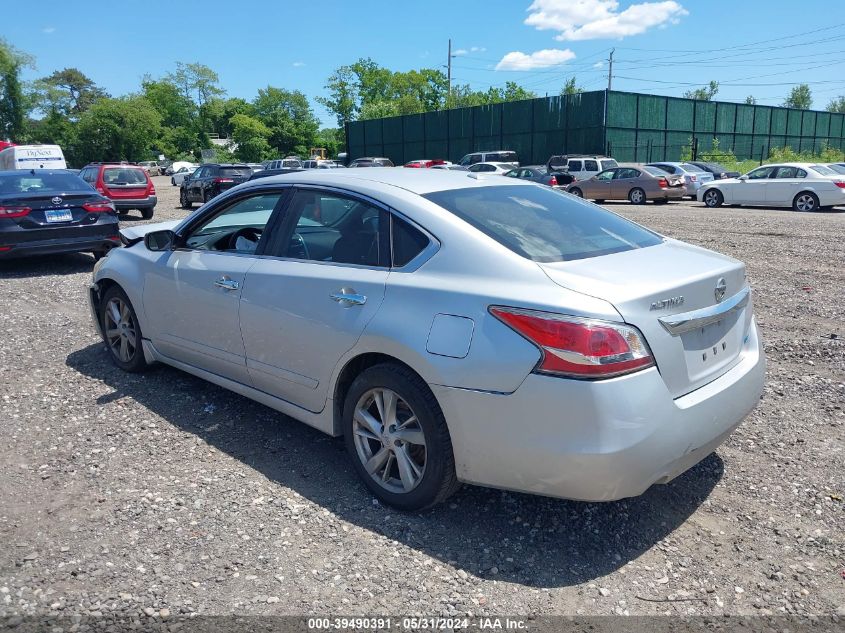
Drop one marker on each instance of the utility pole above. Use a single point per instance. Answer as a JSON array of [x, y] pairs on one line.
[[610, 69], [449, 71]]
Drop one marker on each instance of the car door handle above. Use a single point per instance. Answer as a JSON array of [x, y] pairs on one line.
[[226, 283], [348, 297]]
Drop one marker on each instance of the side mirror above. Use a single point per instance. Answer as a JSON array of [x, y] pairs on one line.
[[743, 178], [160, 240]]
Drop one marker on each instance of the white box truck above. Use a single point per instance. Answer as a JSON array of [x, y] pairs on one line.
[[32, 157]]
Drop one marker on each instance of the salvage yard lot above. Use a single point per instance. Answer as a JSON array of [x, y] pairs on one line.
[[160, 493]]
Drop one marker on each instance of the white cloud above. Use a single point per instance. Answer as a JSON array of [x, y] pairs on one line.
[[48, 30], [517, 60], [298, 64], [598, 65], [600, 19], [477, 49], [460, 52]]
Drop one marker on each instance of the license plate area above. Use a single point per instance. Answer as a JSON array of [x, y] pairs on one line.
[[711, 349], [58, 215]]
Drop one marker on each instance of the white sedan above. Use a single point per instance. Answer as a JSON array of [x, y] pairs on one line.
[[492, 168], [179, 176], [802, 186]]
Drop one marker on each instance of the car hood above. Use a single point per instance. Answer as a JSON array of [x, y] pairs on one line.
[[135, 233]]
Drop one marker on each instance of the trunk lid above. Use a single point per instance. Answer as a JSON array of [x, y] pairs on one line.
[[45, 212], [645, 285]]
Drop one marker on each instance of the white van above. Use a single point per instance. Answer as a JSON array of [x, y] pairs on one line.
[[497, 156], [32, 157]]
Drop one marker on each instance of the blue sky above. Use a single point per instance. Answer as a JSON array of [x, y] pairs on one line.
[[660, 45]]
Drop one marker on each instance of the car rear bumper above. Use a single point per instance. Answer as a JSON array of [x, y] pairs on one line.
[[87, 243], [135, 203], [596, 441], [672, 193]]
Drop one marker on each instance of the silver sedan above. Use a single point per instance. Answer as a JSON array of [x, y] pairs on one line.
[[452, 327]]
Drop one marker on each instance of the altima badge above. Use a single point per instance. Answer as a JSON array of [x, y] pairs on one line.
[[721, 288], [671, 302]]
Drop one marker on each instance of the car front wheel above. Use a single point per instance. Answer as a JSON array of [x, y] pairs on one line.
[[713, 198], [397, 437], [121, 331]]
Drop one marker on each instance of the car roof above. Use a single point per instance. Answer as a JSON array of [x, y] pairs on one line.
[[414, 180]]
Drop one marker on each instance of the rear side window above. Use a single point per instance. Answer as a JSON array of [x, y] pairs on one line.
[[542, 224], [503, 157], [408, 242], [124, 176], [574, 165], [591, 165]]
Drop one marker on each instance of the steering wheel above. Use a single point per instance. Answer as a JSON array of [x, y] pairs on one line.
[[248, 232]]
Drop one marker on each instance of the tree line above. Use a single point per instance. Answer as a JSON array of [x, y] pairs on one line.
[[799, 97], [178, 113]]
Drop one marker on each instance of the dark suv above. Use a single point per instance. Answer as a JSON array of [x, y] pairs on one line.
[[210, 180], [127, 185]]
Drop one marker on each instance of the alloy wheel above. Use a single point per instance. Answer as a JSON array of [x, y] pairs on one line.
[[805, 202], [389, 440], [637, 196], [711, 198], [121, 333]]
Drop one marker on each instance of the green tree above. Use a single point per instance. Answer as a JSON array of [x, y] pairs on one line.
[[836, 105], [569, 88], [13, 103], [750, 100], [69, 92], [196, 82], [217, 114], [174, 108], [703, 94], [251, 136], [333, 139], [799, 97], [116, 129], [289, 117]]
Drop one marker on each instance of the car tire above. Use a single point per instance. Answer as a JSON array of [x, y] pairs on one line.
[[636, 196], [713, 198], [121, 331], [147, 213], [183, 200], [411, 474], [805, 201], [575, 191], [172, 182]]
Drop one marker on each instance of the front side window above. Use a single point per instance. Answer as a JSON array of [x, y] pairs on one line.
[[237, 228], [606, 175], [333, 228], [542, 224]]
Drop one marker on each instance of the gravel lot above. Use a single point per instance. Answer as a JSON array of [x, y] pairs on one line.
[[161, 494]]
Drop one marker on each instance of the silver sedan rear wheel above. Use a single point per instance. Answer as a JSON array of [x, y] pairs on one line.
[[389, 440], [805, 201]]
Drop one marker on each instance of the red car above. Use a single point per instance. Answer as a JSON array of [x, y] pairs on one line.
[[128, 186], [424, 163]]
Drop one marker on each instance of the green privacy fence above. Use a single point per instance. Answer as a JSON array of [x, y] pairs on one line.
[[625, 125]]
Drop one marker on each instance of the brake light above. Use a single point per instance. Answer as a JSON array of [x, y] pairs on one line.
[[693, 178], [579, 348], [98, 207], [14, 212], [839, 184], [552, 182], [151, 189], [223, 180], [662, 183]]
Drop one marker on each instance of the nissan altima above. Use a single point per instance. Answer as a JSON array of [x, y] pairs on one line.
[[452, 327]]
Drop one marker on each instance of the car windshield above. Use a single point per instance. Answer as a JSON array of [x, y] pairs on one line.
[[543, 224], [124, 176], [608, 164], [235, 172], [824, 171], [29, 182]]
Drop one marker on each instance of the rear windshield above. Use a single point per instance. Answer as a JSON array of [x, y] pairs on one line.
[[608, 164], [716, 168], [542, 224], [654, 171], [235, 172], [824, 171], [692, 168], [29, 182], [124, 176]]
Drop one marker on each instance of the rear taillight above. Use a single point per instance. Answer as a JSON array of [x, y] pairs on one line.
[[839, 184], [151, 189], [223, 180], [692, 178], [662, 183], [579, 348], [14, 212], [552, 182], [722, 176], [98, 207]]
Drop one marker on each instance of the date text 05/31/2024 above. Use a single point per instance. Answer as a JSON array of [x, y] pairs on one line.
[[416, 624]]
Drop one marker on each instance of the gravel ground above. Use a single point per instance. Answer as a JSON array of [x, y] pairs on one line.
[[161, 494]]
